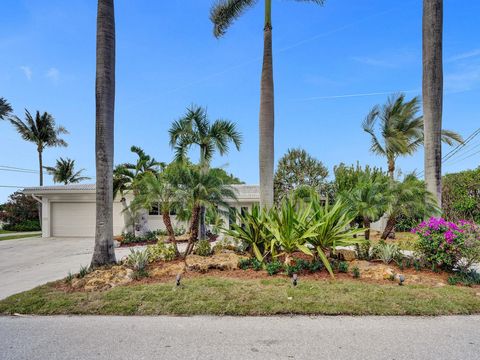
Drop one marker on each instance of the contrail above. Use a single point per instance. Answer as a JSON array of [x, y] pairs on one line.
[[356, 95]]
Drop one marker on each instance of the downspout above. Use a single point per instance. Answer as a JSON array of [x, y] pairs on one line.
[[37, 198], [41, 206]]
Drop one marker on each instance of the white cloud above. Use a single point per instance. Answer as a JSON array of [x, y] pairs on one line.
[[464, 79], [394, 59], [27, 71], [465, 55], [53, 74]]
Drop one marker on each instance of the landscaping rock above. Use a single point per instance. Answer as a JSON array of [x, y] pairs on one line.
[[168, 270], [222, 261], [346, 254], [103, 279], [375, 271]]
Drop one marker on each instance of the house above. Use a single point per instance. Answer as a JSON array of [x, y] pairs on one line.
[[69, 210]]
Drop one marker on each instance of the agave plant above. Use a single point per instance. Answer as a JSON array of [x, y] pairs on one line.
[[290, 227], [332, 229], [254, 232]]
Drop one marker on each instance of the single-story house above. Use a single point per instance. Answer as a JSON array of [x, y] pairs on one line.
[[69, 210]]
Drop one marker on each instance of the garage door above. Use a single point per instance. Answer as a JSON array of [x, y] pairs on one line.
[[75, 219]]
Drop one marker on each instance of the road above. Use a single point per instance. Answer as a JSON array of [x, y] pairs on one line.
[[200, 337]]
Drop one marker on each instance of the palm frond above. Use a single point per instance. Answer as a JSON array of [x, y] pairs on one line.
[[224, 12]]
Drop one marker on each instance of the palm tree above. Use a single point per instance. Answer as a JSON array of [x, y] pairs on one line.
[[159, 190], [195, 129], [409, 198], [401, 129], [64, 172], [40, 130], [104, 252], [5, 108], [432, 93], [223, 14]]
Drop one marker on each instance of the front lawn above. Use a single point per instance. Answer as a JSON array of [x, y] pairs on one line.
[[13, 237], [217, 295]]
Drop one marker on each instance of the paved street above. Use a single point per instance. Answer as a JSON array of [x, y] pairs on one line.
[[26, 263], [240, 338]]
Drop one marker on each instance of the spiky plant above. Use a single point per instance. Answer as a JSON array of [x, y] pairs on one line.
[[222, 15]]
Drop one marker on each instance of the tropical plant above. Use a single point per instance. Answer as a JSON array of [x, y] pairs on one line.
[[203, 248], [432, 93], [20, 211], [401, 130], [5, 108], [138, 260], [291, 227], [104, 252], [295, 169], [161, 251], [64, 172], [461, 195], [222, 15], [253, 232], [334, 229], [195, 129], [40, 130], [386, 252], [408, 198]]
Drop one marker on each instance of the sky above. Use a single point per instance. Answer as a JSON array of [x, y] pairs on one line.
[[332, 64]]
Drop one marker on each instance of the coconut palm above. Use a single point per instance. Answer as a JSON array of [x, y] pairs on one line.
[[159, 190], [223, 14], [195, 129], [5, 108], [104, 253], [64, 172], [401, 129], [409, 198], [432, 93], [40, 130]]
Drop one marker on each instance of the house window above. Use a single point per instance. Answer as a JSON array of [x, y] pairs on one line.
[[154, 210], [232, 216], [244, 211]]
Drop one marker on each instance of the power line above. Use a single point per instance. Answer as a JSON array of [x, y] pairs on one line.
[[19, 171], [460, 146], [12, 186]]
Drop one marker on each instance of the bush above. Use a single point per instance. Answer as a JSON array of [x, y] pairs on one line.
[[27, 225], [20, 209], [356, 272], [447, 245], [161, 251], [203, 248], [386, 252], [138, 260], [245, 264], [149, 236], [460, 195], [274, 267], [315, 265], [469, 278], [343, 267]]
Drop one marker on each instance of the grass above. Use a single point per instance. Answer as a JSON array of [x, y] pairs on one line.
[[13, 237], [5, 231], [221, 296], [404, 240]]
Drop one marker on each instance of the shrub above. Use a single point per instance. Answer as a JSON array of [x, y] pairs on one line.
[[138, 260], [469, 278], [129, 238], [26, 225], [291, 269], [356, 272], [203, 248], [149, 236], [19, 209], [245, 264], [460, 195], [256, 264], [343, 267], [316, 265], [161, 251], [448, 245], [386, 252], [273, 267]]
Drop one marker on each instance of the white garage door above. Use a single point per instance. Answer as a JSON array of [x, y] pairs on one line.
[[75, 219]]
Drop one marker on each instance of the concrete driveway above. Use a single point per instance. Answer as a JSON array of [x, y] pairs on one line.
[[26, 263]]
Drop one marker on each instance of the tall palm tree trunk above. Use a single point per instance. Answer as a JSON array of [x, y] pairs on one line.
[[266, 118], [104, 252], [171, 233], [432, 91], [40, 164], [193, 230]]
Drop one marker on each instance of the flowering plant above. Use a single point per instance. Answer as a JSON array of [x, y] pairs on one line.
[[446, 244]]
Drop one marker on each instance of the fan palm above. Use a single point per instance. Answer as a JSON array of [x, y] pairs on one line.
[[5, 108], [432, 93], [64, 172], [195, 129], [40, 130], [104, 253], [401, 129], [223, 14]]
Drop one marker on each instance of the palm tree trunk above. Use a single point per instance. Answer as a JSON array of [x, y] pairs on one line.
[[104, 252], [366, 223], [171, 233], [432, 91], [193, 230], [128, 220], [40, 164], [391, 168], [267, 115], [389, 227]]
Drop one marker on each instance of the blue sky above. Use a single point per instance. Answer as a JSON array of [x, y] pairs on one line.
[[328, 61]]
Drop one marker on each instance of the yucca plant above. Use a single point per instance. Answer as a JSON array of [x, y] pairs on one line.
[[253, 232], [290, 227], [332, 229]]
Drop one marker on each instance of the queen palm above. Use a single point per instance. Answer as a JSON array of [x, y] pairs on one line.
[[64, 172], [401, 130], [40, 130], [432, 93], [104, 252], [5, 108], [223, 14], [195, 129]]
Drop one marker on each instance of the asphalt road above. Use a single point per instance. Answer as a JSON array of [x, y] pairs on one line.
[[183, 338]]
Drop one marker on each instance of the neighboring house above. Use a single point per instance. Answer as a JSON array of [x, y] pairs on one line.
[[69, 210]]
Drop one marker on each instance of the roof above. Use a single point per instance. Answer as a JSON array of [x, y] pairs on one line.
[[244, 192]]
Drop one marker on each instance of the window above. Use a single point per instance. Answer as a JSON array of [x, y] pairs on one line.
[[232, 216], [243, 211], [154, 210]]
